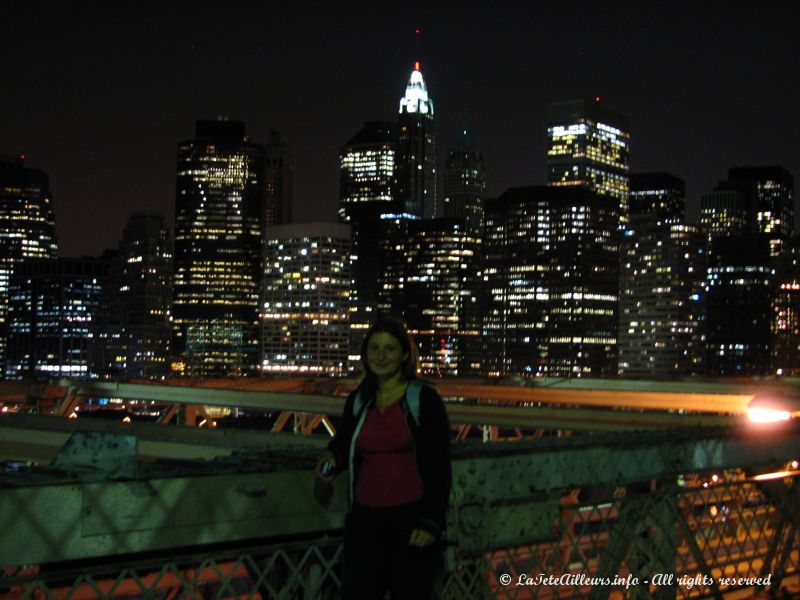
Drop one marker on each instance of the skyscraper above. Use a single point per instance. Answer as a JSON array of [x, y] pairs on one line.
[[367, 191], [748, 236], [551, 270], [132, 329], [589, 145], [662, 283], [416, 151], [465, 183], [429, 281], [278, 170], [218, 249], [304, 316], [724, 212], [366, 168], [27, 226], [52, 306], [739, 316], [756, 200], [772, 202], [786, 314]]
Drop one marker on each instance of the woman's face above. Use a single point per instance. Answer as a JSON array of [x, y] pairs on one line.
[[385, 355]]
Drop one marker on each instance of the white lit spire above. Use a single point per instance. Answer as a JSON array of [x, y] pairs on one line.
[[416, 98]]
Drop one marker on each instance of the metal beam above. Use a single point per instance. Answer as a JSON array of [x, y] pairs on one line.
[[641, 395]]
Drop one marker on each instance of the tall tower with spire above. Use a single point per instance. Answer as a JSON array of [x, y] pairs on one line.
[[416, 151]]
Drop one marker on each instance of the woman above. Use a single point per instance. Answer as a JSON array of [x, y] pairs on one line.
[[396, 444]]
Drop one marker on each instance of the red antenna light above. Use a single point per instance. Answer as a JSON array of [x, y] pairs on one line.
[[418, 30], [416, 66], [22, 157], [597, 99]]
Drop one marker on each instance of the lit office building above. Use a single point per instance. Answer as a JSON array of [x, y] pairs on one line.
[[662, 274], [465, 183], [132, 329], [589, 145], [278, 170], [304, 315], [739, 315], [772, 203], [52, 305], [551, 271], [756, 200], [27, 226], [366, 168], [581, 260], [416, 151], [218, 240], [439, 295], [724, 212], [394, 268], [516, 229]]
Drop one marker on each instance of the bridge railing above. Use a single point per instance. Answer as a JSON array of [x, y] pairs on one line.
[[686, 512]]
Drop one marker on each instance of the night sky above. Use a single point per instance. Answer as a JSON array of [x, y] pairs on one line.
[[99, 96]]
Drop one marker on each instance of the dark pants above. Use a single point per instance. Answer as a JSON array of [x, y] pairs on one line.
[[378, 557]]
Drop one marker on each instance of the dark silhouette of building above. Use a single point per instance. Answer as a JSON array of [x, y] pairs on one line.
[[748, 220], [278, 181], [416, 151], [367, 192], [52, 306], [551, 268], [465, 183], [756, 200], [218, 251], [771, 191], [786, 313], [27, 226], [662, 274], [741, 291], [132, 329]]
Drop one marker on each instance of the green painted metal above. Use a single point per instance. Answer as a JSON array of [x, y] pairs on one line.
[[38, 438], [503, 493], [73, 520], [99, 455]]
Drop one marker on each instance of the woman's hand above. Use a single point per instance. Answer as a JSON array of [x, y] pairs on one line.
[[327, 457], [420, 538]]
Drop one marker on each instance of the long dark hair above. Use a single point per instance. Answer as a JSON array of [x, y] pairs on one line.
[[397, 329]]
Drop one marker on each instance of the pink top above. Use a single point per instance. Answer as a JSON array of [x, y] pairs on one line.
[[387, 474]]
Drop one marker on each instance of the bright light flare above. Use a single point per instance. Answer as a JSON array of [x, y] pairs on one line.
[[776, 475], [767, 415]]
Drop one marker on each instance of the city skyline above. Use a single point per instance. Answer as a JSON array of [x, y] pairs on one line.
[[99, 99]]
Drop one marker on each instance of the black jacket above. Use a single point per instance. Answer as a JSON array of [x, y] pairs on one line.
[[431, 444]]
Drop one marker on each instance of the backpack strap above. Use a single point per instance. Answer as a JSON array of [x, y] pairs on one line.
[[357, 403], [412, 398]]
